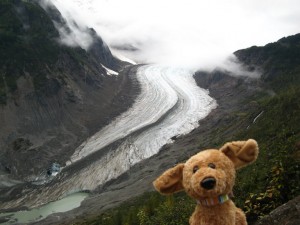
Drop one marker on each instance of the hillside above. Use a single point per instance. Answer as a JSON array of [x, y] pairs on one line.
[[52, 95], [266, 109], [278, 62]]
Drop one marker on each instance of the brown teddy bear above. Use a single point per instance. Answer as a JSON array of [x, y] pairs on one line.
[[209, 177]]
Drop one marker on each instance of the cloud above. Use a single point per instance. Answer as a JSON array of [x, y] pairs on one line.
[[192, 33], [73, 32], [232, 66], [74, 35]]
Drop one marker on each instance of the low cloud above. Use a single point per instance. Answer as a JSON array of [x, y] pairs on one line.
[[72, 32], [72, 35], [231, 65], [193, 33]]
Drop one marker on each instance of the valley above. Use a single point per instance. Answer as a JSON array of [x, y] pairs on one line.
[[83, 134]]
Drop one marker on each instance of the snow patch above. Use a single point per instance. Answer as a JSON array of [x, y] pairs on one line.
[[122, 57], [110, 71]]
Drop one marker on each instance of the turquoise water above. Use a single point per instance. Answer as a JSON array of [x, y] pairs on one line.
[[63, 205]]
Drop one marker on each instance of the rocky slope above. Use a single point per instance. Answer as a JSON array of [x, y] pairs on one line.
[[52, 96], [288, 214]]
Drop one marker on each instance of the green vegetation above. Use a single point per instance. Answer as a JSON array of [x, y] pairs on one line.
[[275, 177], [151, 208]]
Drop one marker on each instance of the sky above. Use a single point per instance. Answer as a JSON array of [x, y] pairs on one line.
[[192, 33]]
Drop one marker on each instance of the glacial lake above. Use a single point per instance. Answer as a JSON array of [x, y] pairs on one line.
[[63, 205]]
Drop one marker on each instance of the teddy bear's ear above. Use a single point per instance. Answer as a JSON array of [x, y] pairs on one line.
[[170, 181], [241, 153]]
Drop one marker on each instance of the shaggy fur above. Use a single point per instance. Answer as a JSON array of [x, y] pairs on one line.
[[208, 175]]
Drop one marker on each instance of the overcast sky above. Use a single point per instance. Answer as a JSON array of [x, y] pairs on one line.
[[186, 32]]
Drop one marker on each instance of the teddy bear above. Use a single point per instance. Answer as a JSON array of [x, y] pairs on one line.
[[209, 177]]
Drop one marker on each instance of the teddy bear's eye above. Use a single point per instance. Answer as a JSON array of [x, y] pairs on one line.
[[195, 169], [211, 165]]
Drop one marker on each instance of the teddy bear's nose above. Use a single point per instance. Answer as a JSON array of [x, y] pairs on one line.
[[208, 183]]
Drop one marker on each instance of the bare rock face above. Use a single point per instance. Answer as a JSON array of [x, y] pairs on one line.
[[287, 214]]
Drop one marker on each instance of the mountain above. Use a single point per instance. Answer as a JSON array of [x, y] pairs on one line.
[[55, 91], [278, 62], [53, 95]]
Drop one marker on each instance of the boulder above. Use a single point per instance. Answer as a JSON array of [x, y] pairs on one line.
[[287, 214]]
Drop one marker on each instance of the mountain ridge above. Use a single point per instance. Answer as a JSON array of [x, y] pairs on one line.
[[278, 61]]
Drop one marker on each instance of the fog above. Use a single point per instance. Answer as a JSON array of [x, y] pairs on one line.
[[192, 33]]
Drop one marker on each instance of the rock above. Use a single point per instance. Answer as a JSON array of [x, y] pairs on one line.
[[54, 169], [287, 214], [4, 219]]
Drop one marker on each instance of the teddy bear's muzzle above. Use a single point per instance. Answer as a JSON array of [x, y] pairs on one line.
[[208, 183]]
